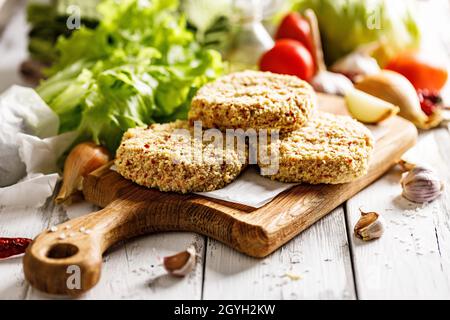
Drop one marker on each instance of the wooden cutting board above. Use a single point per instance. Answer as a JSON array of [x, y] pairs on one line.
[[131, 210]]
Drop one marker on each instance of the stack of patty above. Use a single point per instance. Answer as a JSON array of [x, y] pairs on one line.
[[313, 147]]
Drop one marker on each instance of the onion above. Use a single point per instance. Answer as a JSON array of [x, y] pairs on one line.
[[396, 89]]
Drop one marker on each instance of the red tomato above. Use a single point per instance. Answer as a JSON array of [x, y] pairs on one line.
[[288, 57], [423, 73], [295, 27]]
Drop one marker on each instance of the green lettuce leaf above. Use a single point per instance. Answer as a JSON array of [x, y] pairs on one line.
[[140, 65]]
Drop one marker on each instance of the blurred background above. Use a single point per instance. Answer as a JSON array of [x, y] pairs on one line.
[[241, 30]]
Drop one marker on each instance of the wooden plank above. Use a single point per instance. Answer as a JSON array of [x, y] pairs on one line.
[[411, 260], [441, 217], [319, 256]]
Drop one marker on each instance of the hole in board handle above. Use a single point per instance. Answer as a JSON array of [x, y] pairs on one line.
[[62, 250]]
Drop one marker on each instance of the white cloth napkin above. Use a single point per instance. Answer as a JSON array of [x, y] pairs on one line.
[[29, 148]]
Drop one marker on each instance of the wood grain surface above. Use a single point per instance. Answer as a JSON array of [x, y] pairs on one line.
[[131, 210]]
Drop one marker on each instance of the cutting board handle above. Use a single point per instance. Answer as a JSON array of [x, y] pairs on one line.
[[68, 260]]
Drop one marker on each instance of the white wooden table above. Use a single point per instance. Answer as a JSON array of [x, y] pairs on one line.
[[411, 260]]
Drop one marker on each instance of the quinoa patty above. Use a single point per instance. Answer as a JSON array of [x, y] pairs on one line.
[[328, 149], [155, 157], [254, 99]]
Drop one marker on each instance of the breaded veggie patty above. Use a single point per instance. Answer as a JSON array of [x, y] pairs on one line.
[[254, 99], [328, 149], [168, 157]]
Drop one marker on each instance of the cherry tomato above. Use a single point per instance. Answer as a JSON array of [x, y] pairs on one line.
[[294, 26], [423, 73], [288, 57]]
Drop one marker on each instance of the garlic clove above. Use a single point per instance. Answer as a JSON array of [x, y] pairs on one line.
[[182, 263], [421, 184], [355, 65], [369, 226], [406, 165], [331, 83], [82, 160]]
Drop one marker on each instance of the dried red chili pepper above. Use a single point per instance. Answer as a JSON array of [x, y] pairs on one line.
[[13, 246]]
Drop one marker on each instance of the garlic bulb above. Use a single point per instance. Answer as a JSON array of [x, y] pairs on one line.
[[182, 263], [421, 184], [370, 226], [356, 64], [331, 83]]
